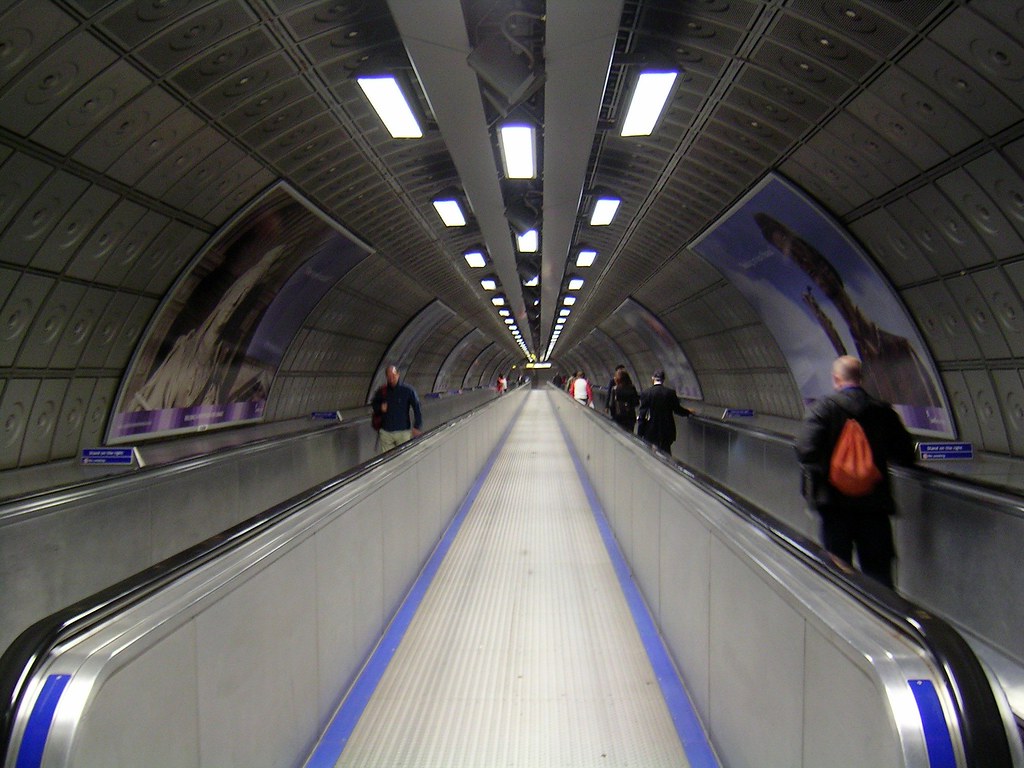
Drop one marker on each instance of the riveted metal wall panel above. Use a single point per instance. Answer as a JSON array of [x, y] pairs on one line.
[[15, 410], [42, 421], [1005, 305], [193, 35], [979, 317], [182, 160], [162, 264], [44, 87], [67, 435], [926, 236], [20, 177], [892, 248], [98, 410], [964, 411], [19, 312], [927, 109], [941, 322], [221, 60], [52, 317], [156, 144], [39, 216], [80, 328], [986, 49], [1010, 391], [982, 213], [74, 227], [987, 411], [111, 140], [962, 87], [30, 28], [80, 114], [960, 236], [102, 244], [131, 249], [1005, 188], [135, 322], [106, 330]]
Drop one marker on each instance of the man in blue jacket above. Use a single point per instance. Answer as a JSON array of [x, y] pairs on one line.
[[392, 403]]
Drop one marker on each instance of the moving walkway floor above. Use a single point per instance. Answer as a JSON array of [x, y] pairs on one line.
[[524, 642]]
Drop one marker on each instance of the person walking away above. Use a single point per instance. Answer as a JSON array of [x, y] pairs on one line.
[[393, 403], [581, 390], [857, 523], [611, 386], [656, 417], [623, 400]]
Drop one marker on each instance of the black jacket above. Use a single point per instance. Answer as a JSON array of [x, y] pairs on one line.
[[656, 422], [890, 444]]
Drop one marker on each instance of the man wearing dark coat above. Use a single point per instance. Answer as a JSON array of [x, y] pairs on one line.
[[849, 523], [656, 422]]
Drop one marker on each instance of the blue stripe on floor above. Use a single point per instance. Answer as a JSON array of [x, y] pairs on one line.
[[684, 716], [332, 744]]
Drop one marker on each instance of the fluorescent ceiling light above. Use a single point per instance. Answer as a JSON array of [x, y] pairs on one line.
[[475, 259], [528, 241], [498, 301], [489, 284], [564, 312], [649, 97], [575, 283], [450, 212], [569, 301], [533, 282], [504, 312], [604, 211], [509, 321], [387, 99], [517, 151], [586, 257]]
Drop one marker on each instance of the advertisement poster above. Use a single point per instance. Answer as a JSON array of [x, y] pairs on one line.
[[822, 297], [213, 347], [679, 374]]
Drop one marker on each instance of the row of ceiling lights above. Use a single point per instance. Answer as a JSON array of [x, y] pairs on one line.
[[517, 144]]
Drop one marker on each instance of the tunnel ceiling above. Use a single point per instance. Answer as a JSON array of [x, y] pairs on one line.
[[246, 92], [132, 131]]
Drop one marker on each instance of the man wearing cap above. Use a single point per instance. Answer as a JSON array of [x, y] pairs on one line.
[[656, 422]]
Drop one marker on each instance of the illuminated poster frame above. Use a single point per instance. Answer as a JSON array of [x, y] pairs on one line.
[[821, 296], [214, 346]]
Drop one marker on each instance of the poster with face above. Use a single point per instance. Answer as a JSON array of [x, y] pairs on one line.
[[214, 345], [822, 297]]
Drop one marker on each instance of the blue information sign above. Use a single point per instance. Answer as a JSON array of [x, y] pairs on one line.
[[936, 451], [328, 415], [738, 413], [108, 455]]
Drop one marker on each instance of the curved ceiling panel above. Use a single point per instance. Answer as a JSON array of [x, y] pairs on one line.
[[132, 131]]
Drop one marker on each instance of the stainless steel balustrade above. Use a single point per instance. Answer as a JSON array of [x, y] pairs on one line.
[[790, 660], [64, 544], [237, 658]]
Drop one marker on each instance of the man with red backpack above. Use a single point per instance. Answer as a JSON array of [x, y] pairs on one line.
[[846, 479]]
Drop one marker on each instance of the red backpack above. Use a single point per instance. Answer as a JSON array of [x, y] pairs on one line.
[[852, 469]]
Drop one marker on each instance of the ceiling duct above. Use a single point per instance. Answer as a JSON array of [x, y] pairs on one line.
[[510, 75]]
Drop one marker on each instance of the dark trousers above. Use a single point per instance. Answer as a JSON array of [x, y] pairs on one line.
[[868, 532]]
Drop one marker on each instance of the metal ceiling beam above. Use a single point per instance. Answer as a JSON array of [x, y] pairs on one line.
[[435, 38], [577, 60]]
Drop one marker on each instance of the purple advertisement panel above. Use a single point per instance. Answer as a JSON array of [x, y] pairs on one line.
[[213, 347], [821, 297], [679, 373]]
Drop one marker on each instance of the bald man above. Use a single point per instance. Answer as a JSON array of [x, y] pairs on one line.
[[854, 524]]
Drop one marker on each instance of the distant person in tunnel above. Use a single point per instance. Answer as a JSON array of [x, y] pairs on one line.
[[623, 400], [858, 523], [392, 403], [656, 418]]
